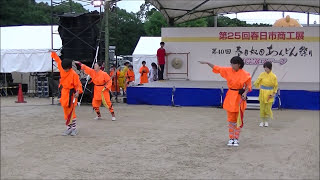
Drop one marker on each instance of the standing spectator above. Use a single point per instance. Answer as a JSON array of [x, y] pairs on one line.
[[153, 74], [161, 56], [130, 77], [122, 77], [114, 74], [144, 71], [268, 84]]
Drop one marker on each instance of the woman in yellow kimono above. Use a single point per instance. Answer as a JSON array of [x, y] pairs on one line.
[[268, 85], [122, 77]]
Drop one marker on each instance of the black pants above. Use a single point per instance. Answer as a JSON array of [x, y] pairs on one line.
[[160, 72]]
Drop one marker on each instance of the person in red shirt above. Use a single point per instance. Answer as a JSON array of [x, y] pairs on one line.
[[161, 56]]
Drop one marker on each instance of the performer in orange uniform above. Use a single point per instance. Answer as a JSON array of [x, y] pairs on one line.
[[71, 88], [115, 79], [102, 85], [130, 78], [239, 84], [144, 71]]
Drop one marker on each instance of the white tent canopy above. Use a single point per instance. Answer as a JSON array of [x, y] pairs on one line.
[[146, 50], [26, 48], [177, 11]]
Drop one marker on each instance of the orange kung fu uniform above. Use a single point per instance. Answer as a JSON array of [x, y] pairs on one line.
[[129, 77], [69, 81], [115, 81], [144, 71], [100, 80], [236, 80]]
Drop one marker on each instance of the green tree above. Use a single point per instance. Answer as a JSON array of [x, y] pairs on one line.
[[145, 11], [28, 12], [69, 7], [154, 23], [149, 13], [20, 12], [202, 22], [125, 31], [224, 21], [259, 25]]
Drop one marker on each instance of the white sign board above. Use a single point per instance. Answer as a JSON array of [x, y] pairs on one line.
[[293, 51]]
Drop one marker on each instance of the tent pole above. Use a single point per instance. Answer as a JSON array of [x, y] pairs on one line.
[[215, 20], [29, 84], [52, 96], [106, 35], [5, 84]]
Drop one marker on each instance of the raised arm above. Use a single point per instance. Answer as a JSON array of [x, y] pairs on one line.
[[57, 59], [87, 70], [223, 71], [209, 64]]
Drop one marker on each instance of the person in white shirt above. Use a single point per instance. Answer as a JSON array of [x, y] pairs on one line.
[[153, 74]]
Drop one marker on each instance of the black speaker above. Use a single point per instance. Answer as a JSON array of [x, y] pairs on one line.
[[15, 90], [6, 77], [88, 93], [79, 34]]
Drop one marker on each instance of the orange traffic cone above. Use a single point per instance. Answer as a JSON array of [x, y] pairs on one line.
[[20, 95]]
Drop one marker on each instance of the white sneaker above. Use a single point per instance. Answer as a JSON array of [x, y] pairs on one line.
[[230, 142], [261, 124], [67, 132], [74, 132], [266, 124], [235, 142], [97, 118], [113, 118]]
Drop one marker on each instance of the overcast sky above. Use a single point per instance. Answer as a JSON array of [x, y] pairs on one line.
[[250, 17]]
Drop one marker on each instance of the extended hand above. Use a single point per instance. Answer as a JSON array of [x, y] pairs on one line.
[[203, 62], [76, 95], [77, 62], [244, 96]]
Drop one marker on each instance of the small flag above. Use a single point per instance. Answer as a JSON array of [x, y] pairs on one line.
[[240, 117]]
